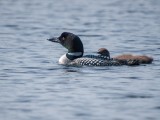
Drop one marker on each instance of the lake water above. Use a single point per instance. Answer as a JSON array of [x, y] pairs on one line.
[[35, 87]]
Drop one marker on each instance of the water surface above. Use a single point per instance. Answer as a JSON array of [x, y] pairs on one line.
[[35, 87]]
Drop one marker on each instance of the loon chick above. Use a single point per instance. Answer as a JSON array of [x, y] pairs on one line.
[[74, 56], [104, 52], [130, 62], [142, 59]]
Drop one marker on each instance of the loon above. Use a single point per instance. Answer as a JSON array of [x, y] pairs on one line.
[[74, 56], [142, 59]]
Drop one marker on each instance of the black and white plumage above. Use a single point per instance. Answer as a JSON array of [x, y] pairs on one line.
[[75, 57], [100, 57], [94, 62]]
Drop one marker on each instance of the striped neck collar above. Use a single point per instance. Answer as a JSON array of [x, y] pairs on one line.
[[74, 55]]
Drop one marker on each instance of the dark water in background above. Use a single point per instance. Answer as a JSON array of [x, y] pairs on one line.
[[33, 86]]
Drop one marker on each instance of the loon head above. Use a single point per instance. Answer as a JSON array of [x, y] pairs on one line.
[[104, 52], [72, 42]]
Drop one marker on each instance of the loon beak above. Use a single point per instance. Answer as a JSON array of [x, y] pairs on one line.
[[54, 39]]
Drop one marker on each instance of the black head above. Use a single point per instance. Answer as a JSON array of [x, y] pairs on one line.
[[70, 41]]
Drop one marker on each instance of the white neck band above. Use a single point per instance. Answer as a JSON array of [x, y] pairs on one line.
[[75, 53]]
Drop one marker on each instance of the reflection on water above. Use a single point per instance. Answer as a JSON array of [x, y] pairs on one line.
[[33, 84]]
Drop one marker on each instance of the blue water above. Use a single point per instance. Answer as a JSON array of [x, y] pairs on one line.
[[33, 86]]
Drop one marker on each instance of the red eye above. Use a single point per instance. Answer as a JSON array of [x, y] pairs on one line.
[[63, 38]]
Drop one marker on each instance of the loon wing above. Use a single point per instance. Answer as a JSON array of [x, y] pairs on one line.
[[94, 62]]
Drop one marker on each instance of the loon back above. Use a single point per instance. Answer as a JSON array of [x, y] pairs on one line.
[[94, 62]]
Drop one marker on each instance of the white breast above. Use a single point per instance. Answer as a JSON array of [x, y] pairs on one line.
[[64, 60]]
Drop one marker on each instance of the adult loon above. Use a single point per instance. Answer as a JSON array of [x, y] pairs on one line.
[[142, 59], [74, 56]]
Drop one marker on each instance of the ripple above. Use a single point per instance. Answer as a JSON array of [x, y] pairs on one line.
[[138, 96], [89, 35], [158, 107]]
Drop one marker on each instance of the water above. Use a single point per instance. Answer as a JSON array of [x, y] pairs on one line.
[[35, 87]]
